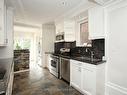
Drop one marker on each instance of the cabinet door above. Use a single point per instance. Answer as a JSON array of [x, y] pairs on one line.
[[76, 76], [59, 27], [69, 31], [96, 22], [88, 81], [2, 22]]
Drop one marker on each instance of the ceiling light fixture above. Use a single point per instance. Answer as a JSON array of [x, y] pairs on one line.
[[64, 3]]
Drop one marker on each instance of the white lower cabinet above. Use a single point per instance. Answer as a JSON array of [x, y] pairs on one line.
[[88, 81], [87, 78], [47, 60], [76, 76]]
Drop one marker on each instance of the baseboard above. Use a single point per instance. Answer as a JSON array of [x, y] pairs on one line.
[[22, 71], [75, 87], [114, 89]]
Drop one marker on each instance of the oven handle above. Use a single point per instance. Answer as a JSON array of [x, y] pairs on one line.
[[65, 58], [54, 56]]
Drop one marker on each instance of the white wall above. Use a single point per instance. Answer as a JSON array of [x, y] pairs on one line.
[[48, 39], [7, 52], [116, 81], [22, 34], [38, 47]]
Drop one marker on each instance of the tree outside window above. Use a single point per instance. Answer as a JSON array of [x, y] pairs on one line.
[[22, 44]]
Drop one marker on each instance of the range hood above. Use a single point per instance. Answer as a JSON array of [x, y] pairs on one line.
[[102, 2]]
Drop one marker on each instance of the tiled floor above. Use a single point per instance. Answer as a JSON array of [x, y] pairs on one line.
[[39, 81]]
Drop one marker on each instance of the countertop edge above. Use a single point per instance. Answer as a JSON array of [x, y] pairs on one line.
[[68, 57]]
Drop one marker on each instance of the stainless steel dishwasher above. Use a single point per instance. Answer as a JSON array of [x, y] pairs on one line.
[[65, 69]]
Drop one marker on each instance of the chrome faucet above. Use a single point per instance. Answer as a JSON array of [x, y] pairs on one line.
[[92, 53]]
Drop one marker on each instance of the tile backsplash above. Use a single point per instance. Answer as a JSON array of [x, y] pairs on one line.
[[97, 47], [79, 51], [60, 45]]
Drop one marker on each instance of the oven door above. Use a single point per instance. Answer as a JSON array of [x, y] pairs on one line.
[[54, 65]]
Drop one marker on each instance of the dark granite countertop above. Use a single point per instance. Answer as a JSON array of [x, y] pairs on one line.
[[2, 73], [82, 59], [48, 52], [64, 56], [6, 66], [88, 60]]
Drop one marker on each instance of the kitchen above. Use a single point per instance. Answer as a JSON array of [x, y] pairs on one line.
[[82, 52]]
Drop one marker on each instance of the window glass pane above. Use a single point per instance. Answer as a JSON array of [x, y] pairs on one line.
[[26, 44], [22, 43]]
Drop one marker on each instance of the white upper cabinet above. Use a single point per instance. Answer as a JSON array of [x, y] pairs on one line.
[[96, 22], [66, 27], [3, 37], [69, 32], [59, 27]]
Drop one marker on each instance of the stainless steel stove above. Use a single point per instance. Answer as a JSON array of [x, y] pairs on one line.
[[54, 65]]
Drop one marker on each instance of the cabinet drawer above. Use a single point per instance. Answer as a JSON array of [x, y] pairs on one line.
[[90, 66], [74, 62]]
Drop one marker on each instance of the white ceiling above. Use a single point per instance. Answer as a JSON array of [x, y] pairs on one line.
[[41, 11], [26, 29]]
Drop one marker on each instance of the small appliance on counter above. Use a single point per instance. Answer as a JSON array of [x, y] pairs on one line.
[[64, 50]]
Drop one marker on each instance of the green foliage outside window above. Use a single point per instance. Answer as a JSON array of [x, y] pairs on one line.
[[22, 44]]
